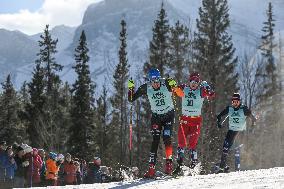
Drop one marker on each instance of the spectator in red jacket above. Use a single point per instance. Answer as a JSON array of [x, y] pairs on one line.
[[33, 171], [69, 171]]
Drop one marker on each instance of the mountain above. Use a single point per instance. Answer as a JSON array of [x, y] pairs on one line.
[[64, 33], [16, 50], [101, 23]]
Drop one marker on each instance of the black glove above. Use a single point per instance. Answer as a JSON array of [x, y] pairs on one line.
[[219, 125]]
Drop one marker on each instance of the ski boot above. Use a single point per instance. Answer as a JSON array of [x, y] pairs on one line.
[[177, 171], [193, 158], [151, 171], [223, 169], [169, 167], [193, 163]]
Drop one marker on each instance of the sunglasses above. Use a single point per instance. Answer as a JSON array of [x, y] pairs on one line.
[[194, 82], [235, 101], [155, 80]]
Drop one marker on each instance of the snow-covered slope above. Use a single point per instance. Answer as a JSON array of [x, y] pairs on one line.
[[255, 179]]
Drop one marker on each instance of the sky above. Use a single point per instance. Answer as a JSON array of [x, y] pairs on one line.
[[31, 16]]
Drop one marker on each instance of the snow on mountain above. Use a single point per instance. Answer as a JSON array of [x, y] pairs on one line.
[[64, 33], [16, 50], [101, 23], [254, 179]]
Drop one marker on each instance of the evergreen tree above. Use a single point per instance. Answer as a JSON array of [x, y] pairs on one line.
[[35, 110], [119, 99], [10, 129], [47, 60], [53, 83], [82, 108], [178, 49], [159, 44], [269, 97], [103, 137], [269, 72], [214, 54]]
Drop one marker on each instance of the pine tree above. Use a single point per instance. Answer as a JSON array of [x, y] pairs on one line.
[[119, 100], [159, 44], [10, 129], [47, 60], [103, 137], [82, 109], [214, 54], [35, 110], [178, 49], [270, 74], [53, 83], [270, 94]]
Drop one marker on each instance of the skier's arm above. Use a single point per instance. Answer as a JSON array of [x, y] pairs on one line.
[[132, 95], [172, 87], [248, 113], [223, 113], [207, 93], [206, 90]]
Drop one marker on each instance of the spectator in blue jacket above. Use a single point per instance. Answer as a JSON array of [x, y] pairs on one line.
[[10, 167]]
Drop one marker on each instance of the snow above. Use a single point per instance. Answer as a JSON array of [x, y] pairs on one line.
[[256, 179]]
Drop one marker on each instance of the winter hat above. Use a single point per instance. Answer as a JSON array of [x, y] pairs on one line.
[[236, 96], [67, 155], [40, 150], [3, 143], [97, 161], [194, 77], [52, 155], [35, 150], [60, 157], [28, 149], [19, 148], [8, 148]]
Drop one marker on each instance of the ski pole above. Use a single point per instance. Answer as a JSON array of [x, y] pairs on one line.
[[225, 119], [130, 127]]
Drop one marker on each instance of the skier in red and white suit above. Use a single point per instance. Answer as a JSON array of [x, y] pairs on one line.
[[191, 120]]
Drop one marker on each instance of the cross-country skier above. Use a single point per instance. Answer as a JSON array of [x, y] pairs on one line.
[[159, 92], [237, 114], [190, 120]]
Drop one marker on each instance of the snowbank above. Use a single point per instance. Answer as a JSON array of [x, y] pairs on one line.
[[256, 179]]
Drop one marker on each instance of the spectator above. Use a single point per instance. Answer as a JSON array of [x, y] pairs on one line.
[[59, 163], [2, 158], [78, 171], [10, 167], [19, 180], [33, 171], [94, 172], [41, 153], [69, 171], [51, 170]]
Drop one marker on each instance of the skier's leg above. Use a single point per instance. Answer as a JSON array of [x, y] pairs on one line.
[[167, 138], [156, 133], [229, 140], [194, 133], [237, 159], [183, 132]]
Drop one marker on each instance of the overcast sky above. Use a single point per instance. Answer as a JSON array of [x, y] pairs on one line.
[[31, 16]]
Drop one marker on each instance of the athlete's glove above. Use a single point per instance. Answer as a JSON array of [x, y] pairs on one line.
[[131, 84], [172, 82], [205, 85]]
